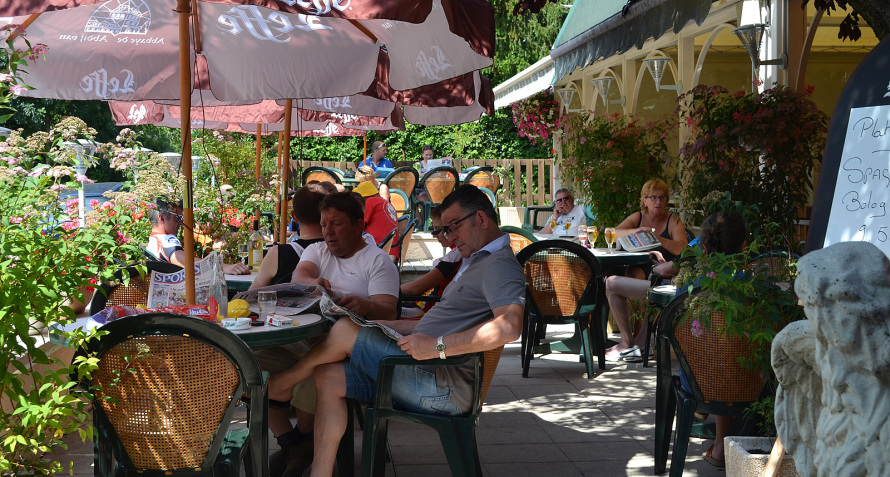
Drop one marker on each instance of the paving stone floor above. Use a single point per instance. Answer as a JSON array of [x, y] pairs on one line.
[[554, 423]]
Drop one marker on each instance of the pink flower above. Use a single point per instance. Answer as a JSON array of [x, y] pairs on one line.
[[17, 89], [94, 203], [696, 329], [15, 220], [69, 226], [711, 275]]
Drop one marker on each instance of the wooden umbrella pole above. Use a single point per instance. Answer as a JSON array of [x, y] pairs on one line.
[[185, 98], [775, 459], [285, 165], [366, 147]]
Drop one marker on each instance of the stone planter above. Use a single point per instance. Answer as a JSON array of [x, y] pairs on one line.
[[747, 457], [512, 216]]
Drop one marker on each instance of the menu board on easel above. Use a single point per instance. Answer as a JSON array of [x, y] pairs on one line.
[[853, 192]]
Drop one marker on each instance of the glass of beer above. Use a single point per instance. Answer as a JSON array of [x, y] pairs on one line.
[[609, 234], [552, 226], [582, 235], [592, 234]]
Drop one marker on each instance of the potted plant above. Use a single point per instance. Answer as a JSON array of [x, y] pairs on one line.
[[606, 159], [760, 147], [537, 116]]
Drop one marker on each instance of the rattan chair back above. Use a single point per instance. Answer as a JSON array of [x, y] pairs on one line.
[[403, 178], [773, 263], [320, 174], [400, 202], [166, 388], [559, 278], [439, 182], [490, 361], [134, 293], [713, 360], [519, 238], [484, 176]]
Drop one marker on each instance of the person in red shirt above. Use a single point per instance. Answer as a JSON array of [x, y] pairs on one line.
[[380, 215]]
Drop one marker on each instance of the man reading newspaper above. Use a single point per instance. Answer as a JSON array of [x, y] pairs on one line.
[[364, 280], [481, 309]]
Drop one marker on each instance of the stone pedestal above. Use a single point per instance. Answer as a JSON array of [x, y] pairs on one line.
[[747, 457]]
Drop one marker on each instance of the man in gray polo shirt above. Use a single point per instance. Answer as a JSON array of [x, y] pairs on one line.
[[481, 309]]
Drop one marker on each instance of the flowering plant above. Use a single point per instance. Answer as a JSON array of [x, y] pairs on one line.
[[606, 160], [538, 116], [11, 83], [760, 147], [46, 261]]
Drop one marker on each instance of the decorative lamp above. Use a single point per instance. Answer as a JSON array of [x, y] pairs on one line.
[[751, 36], [566, 95], [656, 67]]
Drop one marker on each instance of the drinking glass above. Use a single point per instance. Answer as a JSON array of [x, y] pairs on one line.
[[582, 235], [592, 233], [609, 234], [242, 252], [267, 301], [567, 226], [553, 226]]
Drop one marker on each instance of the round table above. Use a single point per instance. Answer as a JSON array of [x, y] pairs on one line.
[[240, 283], [661, 295], [310, 326]]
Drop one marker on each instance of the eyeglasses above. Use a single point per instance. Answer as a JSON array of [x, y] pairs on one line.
[[178, 218], [657, 198], [435, 232], [562, 199], [450, 228]]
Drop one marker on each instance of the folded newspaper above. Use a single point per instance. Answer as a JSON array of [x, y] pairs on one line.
[[294, 298], [639, 241]]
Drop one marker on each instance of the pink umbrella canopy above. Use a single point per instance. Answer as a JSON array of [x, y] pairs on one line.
[[128, 50]]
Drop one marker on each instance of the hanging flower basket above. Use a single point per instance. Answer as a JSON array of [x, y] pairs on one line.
[[537, 116]]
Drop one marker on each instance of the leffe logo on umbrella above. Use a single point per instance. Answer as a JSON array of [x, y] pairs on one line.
[[249, 18], [331, 103], [320, 7], [137, 113]]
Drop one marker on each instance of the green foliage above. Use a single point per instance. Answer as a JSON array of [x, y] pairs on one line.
[[606, 160], [47, 258], [760, 147], [523, 40]]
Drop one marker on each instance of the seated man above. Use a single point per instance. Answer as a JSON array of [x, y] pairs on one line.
[[440, 276], [281, 260], [482, 309], [377, 157], [565, 213], [165, 219], [368, 282]]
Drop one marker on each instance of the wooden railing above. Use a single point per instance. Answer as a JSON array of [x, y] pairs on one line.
[[530, 180]]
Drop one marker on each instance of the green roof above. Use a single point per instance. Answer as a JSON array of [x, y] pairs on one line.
[[585, 14]]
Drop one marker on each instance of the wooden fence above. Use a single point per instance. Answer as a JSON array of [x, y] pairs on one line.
[[533, 187]]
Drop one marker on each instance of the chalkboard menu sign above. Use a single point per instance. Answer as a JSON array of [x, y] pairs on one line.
[[853, 193]]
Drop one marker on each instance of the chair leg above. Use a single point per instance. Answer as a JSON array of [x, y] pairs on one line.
[[599, 342], [374, 444], [665, 406], [583, 328], [529, 347], [686, 410]]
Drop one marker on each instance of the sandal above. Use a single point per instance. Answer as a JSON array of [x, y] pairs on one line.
[[719, 463]]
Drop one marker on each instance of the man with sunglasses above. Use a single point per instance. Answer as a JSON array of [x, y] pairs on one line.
[[480, 310], [377, 157], [165, 219], [565, 212]]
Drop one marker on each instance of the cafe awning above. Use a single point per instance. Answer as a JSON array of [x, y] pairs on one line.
[[597, 29], [527, 82]]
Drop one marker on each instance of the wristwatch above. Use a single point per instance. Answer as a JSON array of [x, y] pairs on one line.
[[440, 347]]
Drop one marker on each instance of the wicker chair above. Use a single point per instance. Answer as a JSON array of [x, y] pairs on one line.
[[484, 176], [133, 293], [171, 414], [720, 385], [403, 178], [400, 202], [438, 182], [564, 283], [406, 231], [457, 433], [320, 174], [519, 238]]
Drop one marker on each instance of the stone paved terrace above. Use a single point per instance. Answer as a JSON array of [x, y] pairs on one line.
[[555, 422]]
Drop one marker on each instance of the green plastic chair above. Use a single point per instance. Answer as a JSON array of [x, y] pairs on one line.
[[719, 383], [457, 433], [170, 415], [519, 238]]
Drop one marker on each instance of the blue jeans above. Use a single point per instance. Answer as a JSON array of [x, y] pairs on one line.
[[414, 388]]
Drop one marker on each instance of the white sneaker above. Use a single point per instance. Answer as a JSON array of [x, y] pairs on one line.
[[632, 355]]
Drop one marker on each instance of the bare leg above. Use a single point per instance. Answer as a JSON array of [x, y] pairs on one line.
[[330, 382], [335, 347], [618, 290], [723, 425]]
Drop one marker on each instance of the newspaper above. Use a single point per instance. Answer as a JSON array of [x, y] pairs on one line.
[[294, 298], [168, 289], [639, 241]]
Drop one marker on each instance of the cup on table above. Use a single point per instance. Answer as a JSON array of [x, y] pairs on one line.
[[267, 301], [582, 234], [242, 252]]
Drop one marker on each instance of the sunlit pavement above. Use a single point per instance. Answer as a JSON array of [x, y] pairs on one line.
[[554, 423]]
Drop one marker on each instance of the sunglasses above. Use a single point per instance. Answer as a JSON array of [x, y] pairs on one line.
[[657, 198], [176, 217], [450, 228], [381, 146], [562, 199], [435, 232]]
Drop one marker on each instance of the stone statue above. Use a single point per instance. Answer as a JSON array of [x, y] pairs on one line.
[[833, 403]]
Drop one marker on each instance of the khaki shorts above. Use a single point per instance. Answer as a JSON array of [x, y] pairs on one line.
[[280, 358]]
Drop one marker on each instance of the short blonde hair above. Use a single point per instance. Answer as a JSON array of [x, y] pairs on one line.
[[652, 186], [365, 173]]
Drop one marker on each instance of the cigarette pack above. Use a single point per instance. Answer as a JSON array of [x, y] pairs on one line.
[[278, 320]]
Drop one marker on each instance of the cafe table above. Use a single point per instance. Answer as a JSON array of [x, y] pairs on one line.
[[240, 283], [615, 263]]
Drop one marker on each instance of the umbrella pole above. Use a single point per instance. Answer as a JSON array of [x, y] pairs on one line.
[[185, 97], [285, 165]]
